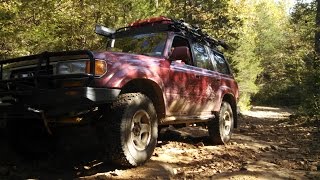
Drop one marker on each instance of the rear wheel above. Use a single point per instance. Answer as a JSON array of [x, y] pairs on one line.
[[131, 130], [221, 127]]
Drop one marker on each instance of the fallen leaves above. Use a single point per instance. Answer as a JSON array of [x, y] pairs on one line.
[[266, 144]]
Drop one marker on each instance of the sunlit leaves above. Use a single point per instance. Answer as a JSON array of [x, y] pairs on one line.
[[272, 48]]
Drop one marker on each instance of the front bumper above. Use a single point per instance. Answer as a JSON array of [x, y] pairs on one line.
[[53, 102]]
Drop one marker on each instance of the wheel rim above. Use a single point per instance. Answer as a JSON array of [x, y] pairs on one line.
[[227, 122], [141, 130]]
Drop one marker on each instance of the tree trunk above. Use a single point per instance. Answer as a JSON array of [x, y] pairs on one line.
[[317, 33], [156, 3], [316, 83]]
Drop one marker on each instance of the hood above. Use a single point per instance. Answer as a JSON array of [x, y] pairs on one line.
[[127, 57]]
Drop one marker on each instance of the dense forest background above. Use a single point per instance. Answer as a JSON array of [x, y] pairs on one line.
[[274, 44]]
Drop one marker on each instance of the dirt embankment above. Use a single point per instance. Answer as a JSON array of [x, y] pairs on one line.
[[267, 145]]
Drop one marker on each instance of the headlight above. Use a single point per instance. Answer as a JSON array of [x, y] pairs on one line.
[[72, 67], [81, 67]]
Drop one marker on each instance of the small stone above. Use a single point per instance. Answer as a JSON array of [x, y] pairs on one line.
[[284, 162], [313, 168], [225, 156], [113, 174], [273, 147], [199, 144], [253, 127], [118, 172], [181, 173], [243, 169], [184, 154], [175, 171], [313, 162], [266, 148], [86, 167], [190, 176], [213, 171]]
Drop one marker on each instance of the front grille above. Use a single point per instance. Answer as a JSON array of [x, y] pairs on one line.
[[37, 72], [31, 72], [29, 78]]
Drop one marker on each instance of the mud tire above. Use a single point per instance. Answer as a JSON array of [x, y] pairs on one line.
[[221, 127], [131, 130]]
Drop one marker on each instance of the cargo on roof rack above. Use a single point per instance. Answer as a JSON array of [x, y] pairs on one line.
[[182, 26], [165, 24]]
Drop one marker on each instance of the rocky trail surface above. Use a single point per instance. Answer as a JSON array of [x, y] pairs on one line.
[[267, 145]]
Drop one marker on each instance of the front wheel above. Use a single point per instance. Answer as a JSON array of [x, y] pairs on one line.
[[221, 127], [131, 130]]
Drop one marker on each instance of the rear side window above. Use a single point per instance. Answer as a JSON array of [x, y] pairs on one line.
[[201, 56], [221, 64]]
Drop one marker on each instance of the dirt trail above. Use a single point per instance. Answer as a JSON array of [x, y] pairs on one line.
[[267, 145]]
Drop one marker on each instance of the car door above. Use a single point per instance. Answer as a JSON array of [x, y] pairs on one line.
[[178, 93], [227, 82], [181, 82], [206, 82]]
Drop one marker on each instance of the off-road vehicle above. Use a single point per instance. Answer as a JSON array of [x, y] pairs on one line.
[[155, 72]]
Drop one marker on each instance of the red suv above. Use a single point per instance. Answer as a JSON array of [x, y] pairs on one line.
[[155, 72]]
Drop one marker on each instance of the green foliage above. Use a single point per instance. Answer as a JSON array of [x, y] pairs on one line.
[[275, 40], [9, 40], [272, 52], [259, 58], [293, 78]]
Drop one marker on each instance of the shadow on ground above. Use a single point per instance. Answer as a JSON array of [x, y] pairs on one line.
[[267, 145], [75, 156]]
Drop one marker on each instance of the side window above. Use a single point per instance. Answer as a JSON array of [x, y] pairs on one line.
[[201, 56], [222, 65], [214, 62], [182, 42]]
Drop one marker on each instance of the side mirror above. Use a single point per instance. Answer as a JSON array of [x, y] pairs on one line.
[[181, 53], [104, 31]]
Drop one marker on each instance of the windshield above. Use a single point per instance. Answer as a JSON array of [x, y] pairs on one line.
[[151, 44]]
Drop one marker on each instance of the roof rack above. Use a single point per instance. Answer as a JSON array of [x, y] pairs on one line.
[[180, 25], [197, 33]]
